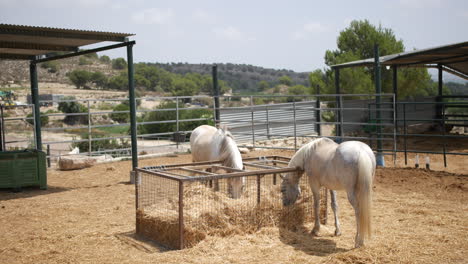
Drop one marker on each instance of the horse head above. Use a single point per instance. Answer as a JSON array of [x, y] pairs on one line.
[[290, 189]]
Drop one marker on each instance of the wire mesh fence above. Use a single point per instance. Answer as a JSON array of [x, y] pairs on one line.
[[180, 205]]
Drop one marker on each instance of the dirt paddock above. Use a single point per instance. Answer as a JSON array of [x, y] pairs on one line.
[[88, 216]]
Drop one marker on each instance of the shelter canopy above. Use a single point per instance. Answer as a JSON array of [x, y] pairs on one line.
[[20, 42], [452, 58]]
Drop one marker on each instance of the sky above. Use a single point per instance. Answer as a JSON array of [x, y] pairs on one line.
[[291, 35]]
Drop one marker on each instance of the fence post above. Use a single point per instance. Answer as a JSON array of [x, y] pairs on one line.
[[378, 90], [404, 133], [253, 123], [267, 122], [443, 135], [89, 129], [337, 100], [216, 94], [2, 130], [318, 115], [295, 131], [181, 214], [177, 122], [133, 107], [48, 155], [35, 101], [341, 118]]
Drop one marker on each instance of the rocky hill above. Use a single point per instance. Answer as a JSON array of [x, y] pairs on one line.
[[15, 71]]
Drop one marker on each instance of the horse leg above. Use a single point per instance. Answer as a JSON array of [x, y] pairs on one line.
[[334, 206], [358, 240], [316, 193]]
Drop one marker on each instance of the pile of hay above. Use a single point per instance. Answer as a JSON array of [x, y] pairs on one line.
[[210, 213]]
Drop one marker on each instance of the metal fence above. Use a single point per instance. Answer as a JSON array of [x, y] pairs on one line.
[[277, 122]]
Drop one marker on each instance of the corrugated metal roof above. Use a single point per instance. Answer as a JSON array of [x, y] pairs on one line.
[[25, 42], [453, 58]]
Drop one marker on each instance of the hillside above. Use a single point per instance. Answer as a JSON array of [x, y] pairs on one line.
[[240, 77], [12, 71]]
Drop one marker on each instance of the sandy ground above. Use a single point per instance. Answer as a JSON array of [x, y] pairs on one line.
[[88, 216]]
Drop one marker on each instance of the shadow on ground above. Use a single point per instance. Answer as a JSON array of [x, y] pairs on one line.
[[26, 192], [302, 240]]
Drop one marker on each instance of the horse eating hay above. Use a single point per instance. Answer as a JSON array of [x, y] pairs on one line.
[[209, 143], [349, 166]]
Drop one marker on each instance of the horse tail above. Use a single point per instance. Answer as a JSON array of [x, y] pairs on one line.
[[364, 194]]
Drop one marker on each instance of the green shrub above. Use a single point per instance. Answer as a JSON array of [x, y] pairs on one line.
[[104, 144], [121, 117], [80, 78], [73, 107], [44, 119], [171, 115], [51, 66], [84, 61], [119, 64], [105, 59]]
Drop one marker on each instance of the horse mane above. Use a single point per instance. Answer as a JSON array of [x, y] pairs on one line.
[[303, 154], [226, 155]]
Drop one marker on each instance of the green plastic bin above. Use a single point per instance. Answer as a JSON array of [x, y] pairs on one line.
[[23, 168]]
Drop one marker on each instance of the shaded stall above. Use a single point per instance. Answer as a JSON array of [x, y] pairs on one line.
[[42, 44], [451, 58]]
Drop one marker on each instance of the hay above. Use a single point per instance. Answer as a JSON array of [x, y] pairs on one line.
[[210, 213]]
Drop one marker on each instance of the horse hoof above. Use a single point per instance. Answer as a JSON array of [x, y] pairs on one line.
[[314, 233], [337, 233]]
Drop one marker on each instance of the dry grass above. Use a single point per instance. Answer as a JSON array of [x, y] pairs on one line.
[[223, 216], [88, 216]]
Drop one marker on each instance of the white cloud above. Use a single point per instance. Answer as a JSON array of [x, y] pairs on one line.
[[150, 16], [309, 29]]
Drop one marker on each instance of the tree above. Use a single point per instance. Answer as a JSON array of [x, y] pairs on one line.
[[119, 64], [80, 78], [119, 82], [121, 117], [286, 80], [317, 80], [51, 66], [263, 86], [73, 107], [105, 59], [99, 79], [357, 42], [171, 115]]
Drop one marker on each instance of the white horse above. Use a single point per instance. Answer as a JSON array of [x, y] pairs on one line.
[[209, 143], [349, 166]]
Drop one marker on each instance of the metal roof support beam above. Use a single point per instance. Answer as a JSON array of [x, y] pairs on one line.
[[131, 93], [216, 95], [337, 101], [35, 101], [395, 92], [378, 91], [439, 92], [79, 53]]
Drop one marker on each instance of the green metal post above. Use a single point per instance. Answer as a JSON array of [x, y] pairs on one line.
[[395, 92], [378, 91], [35, 101], [318, 114], [216, 94], [131, 92], [439, 112], [337, 102]]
